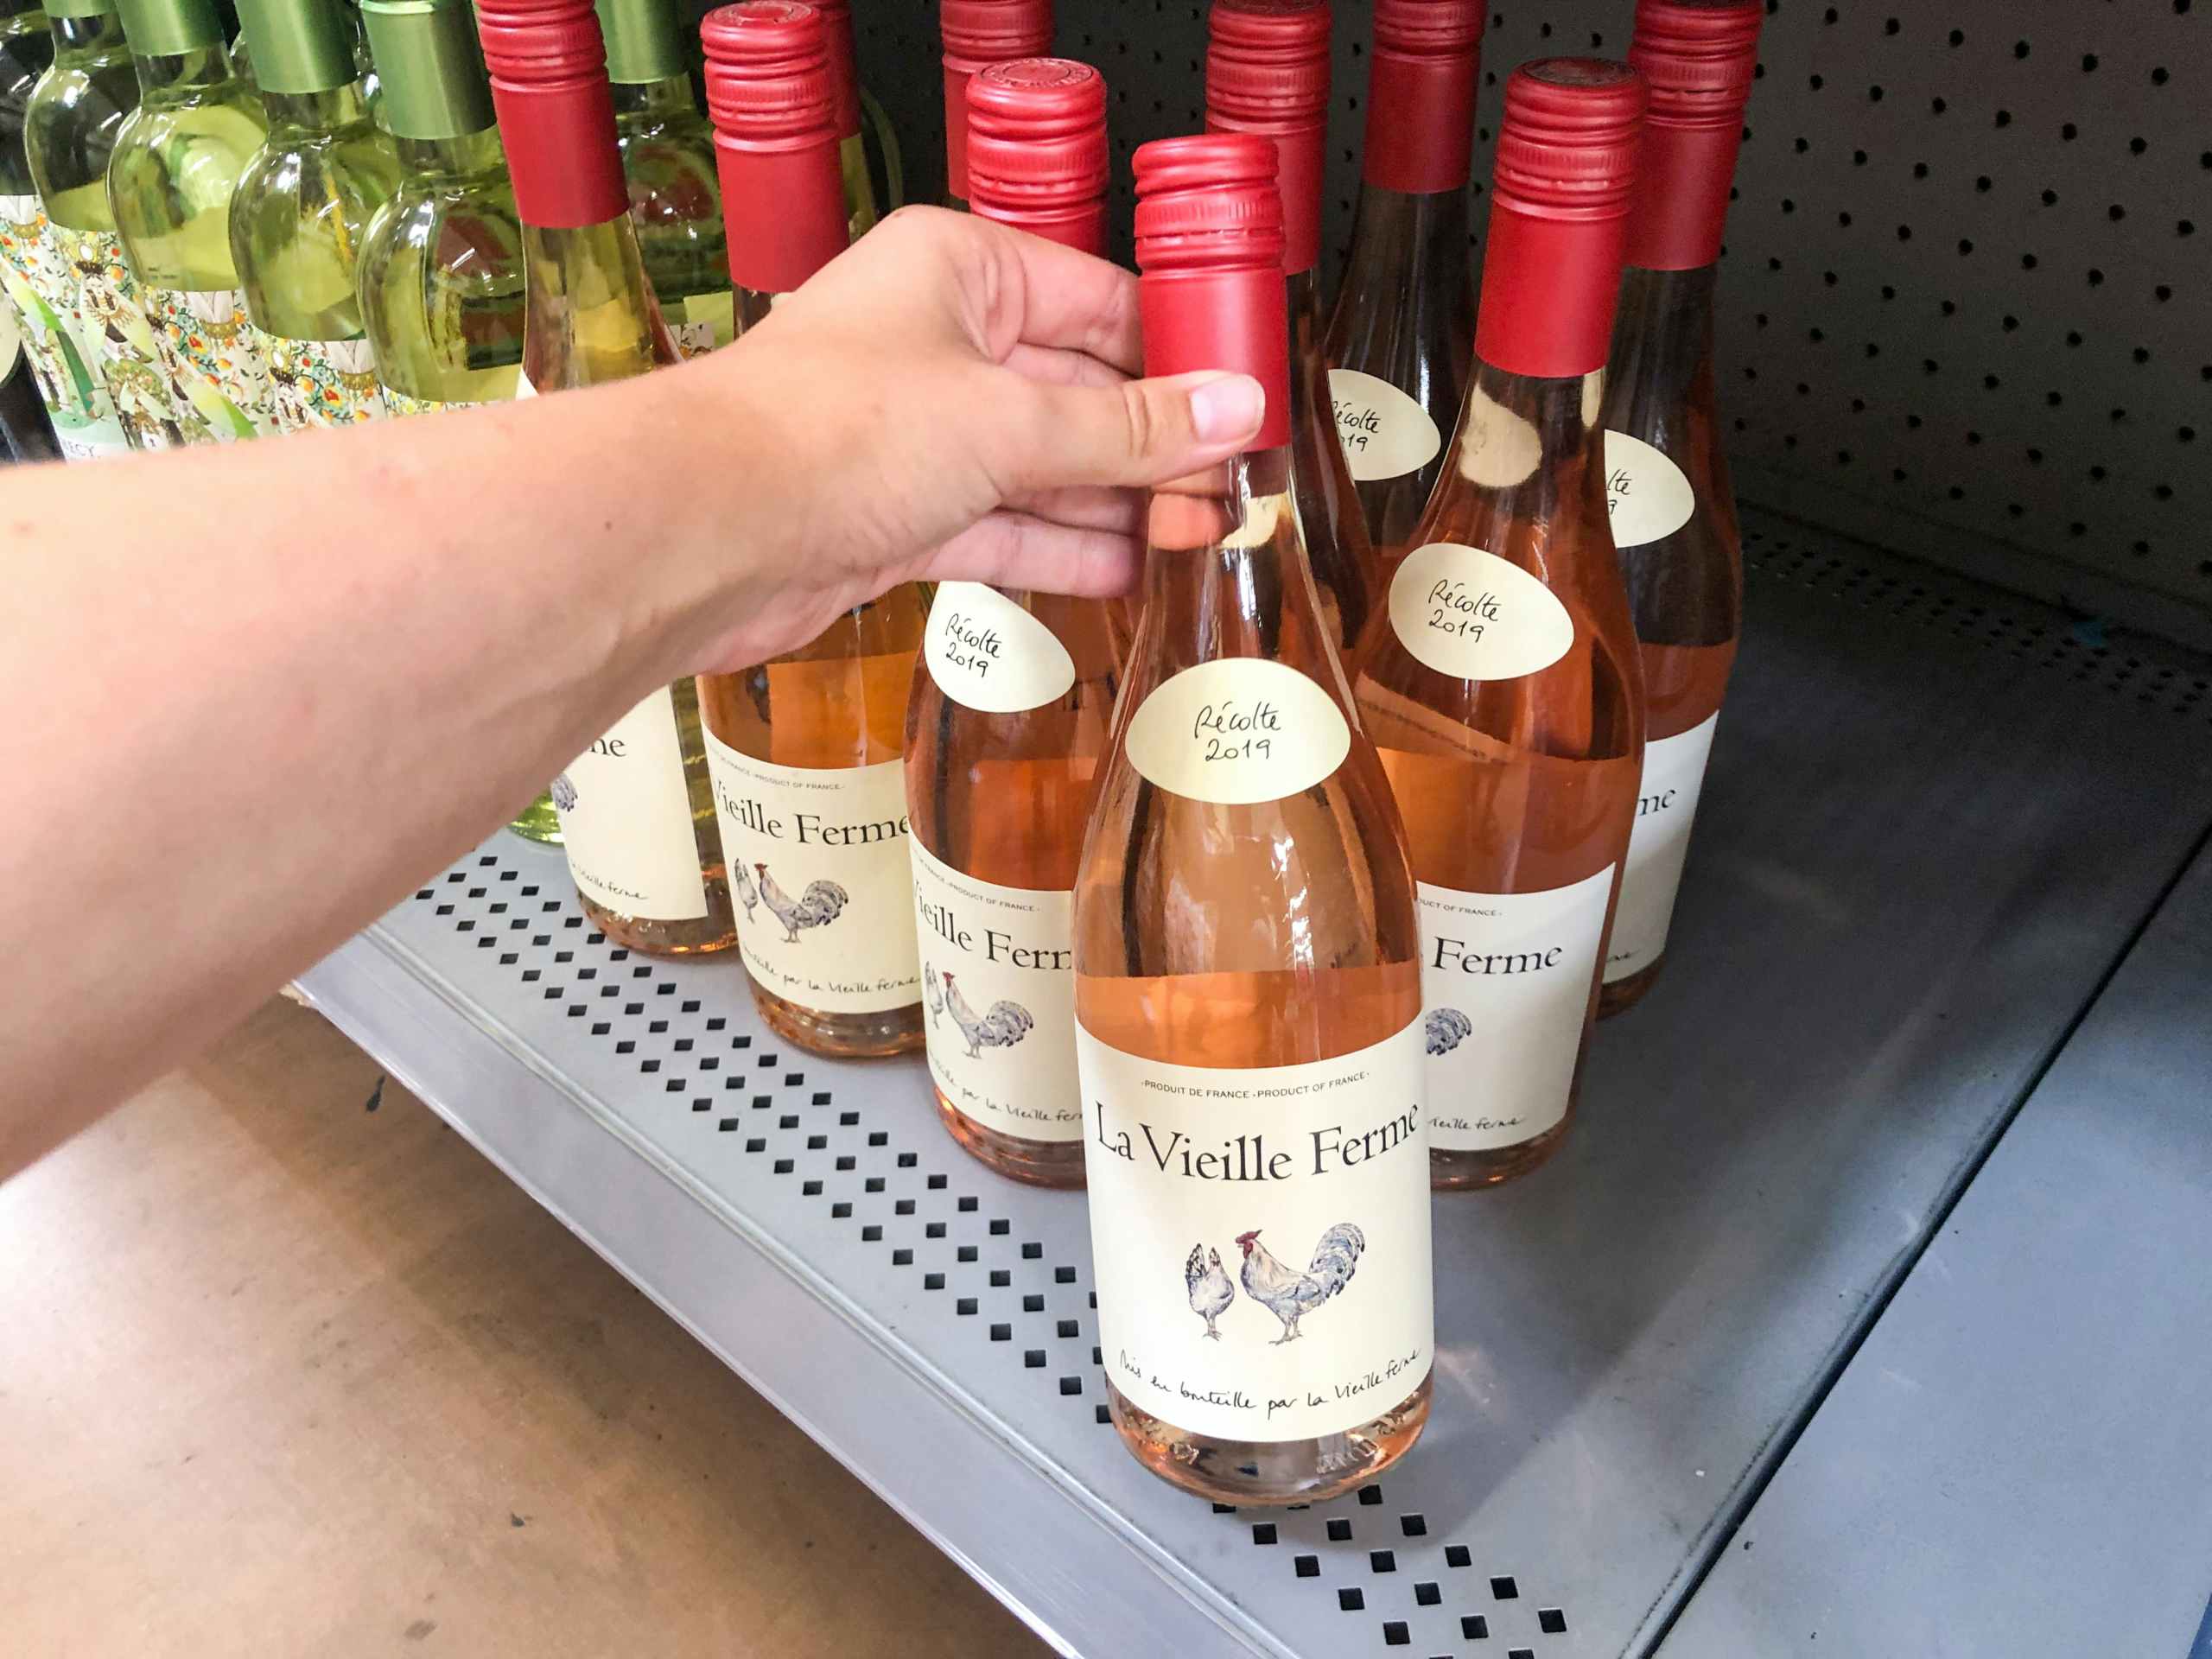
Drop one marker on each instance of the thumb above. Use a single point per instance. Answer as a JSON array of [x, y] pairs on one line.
[[1134, 433]]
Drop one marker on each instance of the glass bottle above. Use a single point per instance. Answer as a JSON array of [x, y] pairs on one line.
[[1267, 72], [1674, 512], [39, 288], [76, 112], [637, 809], [977, 34], [1247, 990], [807, 749], [1399, 337], [177, 162], [302, 206], [1007, 722], [1500, 677], [668, 158]]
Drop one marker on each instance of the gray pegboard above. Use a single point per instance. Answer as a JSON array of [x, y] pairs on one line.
[[1965, 314]]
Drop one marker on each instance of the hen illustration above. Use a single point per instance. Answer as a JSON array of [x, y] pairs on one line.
[[1210, 1290], [1287, 1293], [818, 906], [1006, 1024], [563, 793], [745, 893], [1448, 1029], [936, 994]]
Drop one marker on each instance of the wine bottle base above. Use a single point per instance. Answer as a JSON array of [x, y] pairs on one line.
[[700, 937], [843, 1036], [539, 822], [1039, 1163], [1467, 1172], [1622, 994], [1247, 1472]]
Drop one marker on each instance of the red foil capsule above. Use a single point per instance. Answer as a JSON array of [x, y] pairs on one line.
[[1037, 156], [1267, 72], [977, 34], [1209, 229], [844, 63], [772, 96], [1421, 94], [548, 68], [1566, 161], [1700, 61]]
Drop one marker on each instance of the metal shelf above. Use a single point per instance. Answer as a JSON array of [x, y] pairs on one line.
[[1936, 819]]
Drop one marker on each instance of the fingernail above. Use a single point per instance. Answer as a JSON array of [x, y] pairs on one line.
[[1228, 408]]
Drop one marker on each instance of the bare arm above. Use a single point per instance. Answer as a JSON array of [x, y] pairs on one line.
[[255, 694]]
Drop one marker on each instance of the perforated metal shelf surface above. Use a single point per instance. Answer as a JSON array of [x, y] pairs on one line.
[[1935, 818]]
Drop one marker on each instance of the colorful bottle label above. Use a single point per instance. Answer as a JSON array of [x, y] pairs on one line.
[[987, 653], [998, 976], [118, 337], [219, 379], [1261, 1238], [1658, 846], [706, 321], [1506, 981], [1474, 616], [819, 865], [1647, 495], [1385, 433], [43, 286], [1237, 731], [626, 819], [317, 383]]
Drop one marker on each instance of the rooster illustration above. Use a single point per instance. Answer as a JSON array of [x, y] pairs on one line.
[[935, 996], [1006, 1024], [1287, 1293], [1210, 1290], [818, 906], [563, 792], [745, 893], [1447, 1028]]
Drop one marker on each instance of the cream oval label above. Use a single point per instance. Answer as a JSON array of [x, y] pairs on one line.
[[1385, 433], [1646, 494], [987, 653], [1475, 616], [1238, 731]]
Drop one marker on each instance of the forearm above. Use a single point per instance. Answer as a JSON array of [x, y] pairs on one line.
[[346, 661]]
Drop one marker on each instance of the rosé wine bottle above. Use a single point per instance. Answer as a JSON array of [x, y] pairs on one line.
[[1500, 678], [1248, 992], [1007, 723]]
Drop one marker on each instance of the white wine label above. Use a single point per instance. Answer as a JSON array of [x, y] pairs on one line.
[[1385, 433], [706, 321], [1646, 494], [1674, 776], [218, 380], [323, 382], [1237, 730], [986, 652], [1261, 1238], [43, 288], [119, 338], [1505, 982], [998, 976], [626, 819], [819, 867], [1475, 616]]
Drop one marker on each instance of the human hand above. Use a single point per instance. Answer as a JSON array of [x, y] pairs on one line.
[[954, 400]]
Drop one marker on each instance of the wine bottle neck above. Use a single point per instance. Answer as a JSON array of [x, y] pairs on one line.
[[1227, 573], [654, 100], [84, 42], [316, 112], [562, 152], [472, 156], [1525, 446], [1394, 233], [592, 277], [169, 75], [1662, 348]]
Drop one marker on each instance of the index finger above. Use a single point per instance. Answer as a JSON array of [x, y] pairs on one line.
[[1047, 295]]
